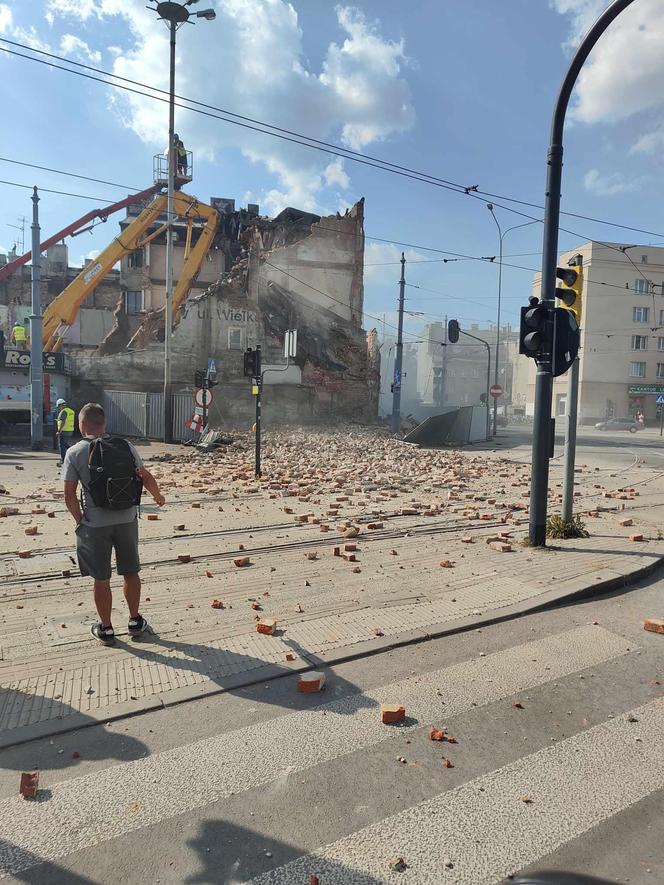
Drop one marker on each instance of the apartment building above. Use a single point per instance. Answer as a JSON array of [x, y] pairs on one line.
[[621, 370]]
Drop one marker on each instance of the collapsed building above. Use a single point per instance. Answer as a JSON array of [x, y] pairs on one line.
[[294, 271]]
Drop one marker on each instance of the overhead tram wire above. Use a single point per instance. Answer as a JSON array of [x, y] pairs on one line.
[[298, 138], [482, 259]]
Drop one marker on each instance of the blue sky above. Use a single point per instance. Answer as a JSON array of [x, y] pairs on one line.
[[461, 89]]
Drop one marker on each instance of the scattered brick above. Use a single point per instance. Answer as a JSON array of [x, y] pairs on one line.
[[266, 626], [436, 734], [447, 763], [31, 530], [311, 555], [216, 603], [311, 682], [501, 547], [290, 656], [625, 522], [349, 557], [356, 570], [29, 784], [446, 563], [196, 505], [377, 631], [324, 527], [392, 713], [179, 528], [209, 574], [38, 511], [350, 548], [374, 525], [337, 551], [184, 557], [242, 562], [636, 537], [654, 625], [467, 540], [153, 517], [25, 554], [256, 606]]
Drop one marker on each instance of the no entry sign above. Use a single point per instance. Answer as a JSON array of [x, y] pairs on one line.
[[203, 397], [496, 390]]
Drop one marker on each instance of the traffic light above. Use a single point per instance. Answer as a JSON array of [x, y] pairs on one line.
[[199, 379], [252, 363], [571, 290], [532, 330], [453, 331]]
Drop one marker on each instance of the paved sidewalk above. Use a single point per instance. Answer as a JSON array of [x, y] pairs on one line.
[[439, 506]]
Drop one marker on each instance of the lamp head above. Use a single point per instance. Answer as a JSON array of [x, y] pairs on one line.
[[208, 14]]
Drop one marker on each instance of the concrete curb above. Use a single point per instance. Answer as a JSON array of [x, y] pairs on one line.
[[612, 581]]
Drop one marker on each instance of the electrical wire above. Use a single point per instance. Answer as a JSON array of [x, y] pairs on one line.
[[293, 136]]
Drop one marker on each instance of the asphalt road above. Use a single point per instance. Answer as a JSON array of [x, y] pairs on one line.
[[558, 764]]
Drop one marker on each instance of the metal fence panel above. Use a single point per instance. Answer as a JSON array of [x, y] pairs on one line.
[[126, 412], [154, 408], [183, 407]]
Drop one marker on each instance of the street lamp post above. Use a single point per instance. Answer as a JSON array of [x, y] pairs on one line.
[[501, 234], [175, 15]]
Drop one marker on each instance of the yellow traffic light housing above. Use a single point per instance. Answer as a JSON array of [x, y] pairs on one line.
[[570, 292]]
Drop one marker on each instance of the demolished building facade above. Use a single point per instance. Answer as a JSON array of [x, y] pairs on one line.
[[294, 271]]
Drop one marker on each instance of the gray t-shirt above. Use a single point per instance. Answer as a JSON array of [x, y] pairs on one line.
[[75, 467]]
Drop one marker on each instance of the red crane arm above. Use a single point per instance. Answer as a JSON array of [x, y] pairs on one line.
[[14, 265]]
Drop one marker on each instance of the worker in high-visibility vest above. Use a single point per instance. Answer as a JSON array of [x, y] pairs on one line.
[[19, 335], [181, 155], [64, 422]]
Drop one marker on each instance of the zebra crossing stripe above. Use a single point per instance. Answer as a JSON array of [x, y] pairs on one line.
[[505, 820], [85, 811]]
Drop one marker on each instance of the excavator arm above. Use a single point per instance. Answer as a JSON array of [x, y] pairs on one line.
[[61, 313]]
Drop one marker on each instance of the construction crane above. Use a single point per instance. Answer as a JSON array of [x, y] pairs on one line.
[[61, 313], [72, 228]]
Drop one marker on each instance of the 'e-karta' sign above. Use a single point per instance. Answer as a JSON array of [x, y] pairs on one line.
[[20, 359]]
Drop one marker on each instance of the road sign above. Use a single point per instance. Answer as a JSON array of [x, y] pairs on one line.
[[660, 400], [203, 398], [212, 368], [496, 390], [290, 343]]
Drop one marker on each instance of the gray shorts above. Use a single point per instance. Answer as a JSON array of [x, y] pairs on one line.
[[95, 544]]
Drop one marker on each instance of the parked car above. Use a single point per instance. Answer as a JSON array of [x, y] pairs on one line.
[[619, 424]]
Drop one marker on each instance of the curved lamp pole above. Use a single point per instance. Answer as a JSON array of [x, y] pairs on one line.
[[544, 378], [502, 234]]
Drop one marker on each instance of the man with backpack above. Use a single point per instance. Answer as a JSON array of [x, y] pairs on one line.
[[112, 477]]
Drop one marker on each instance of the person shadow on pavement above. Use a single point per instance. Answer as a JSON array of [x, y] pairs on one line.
[[231, 854], [237, 671], [54, 751], [34, 869]]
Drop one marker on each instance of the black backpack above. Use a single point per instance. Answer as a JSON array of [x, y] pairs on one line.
[[114, 480]]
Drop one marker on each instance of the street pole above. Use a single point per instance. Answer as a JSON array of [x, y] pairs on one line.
[[570, 440], [398, 359], [500, 291], [36, 359], [488, 377], [544, 377], [259, 391], [170, 208]]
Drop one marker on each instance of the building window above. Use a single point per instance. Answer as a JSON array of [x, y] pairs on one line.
[[661, 317], [136, 259], [235, 338], [639, 342], [640, 314], [660, 343], [641, 286], [134, 302], [637, 370], [644, 259], [660, 370]]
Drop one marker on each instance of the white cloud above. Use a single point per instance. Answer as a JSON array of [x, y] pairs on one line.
[[610, 185], [251, 60], [381, 262], [72, 45], [625, 71], [5, 18], [335, 173]]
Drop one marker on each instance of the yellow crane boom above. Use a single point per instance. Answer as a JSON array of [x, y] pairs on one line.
[[61, 313]]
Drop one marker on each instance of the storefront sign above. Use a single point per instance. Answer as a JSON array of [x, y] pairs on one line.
[[20, 359]]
